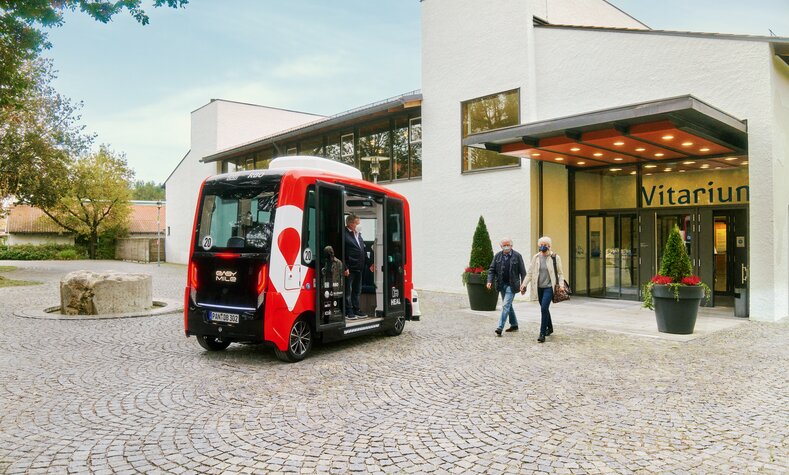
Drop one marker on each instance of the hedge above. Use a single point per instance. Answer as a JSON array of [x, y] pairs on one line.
[[31, 252]]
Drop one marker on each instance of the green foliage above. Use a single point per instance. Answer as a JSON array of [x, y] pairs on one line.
[[676, 263], [38, 138], [5, 282], [96, 199], [30, 252], [147, 191], [481, 248], [21, 38], [481, 252]]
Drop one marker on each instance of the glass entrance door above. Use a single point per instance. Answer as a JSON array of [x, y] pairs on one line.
[[606, 256]]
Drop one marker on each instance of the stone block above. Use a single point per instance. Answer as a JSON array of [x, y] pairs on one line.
[[95, 293]]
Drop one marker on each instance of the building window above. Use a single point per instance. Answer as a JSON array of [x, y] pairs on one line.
[[292, 151], [415, 136], [375, 160], [263, 158], [313, 147], [347, 150], [484, 114], [605, 188]]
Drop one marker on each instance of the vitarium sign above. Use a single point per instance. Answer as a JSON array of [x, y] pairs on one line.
[[695, 189]]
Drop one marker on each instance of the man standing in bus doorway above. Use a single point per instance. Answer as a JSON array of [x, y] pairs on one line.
[[356, 260], [508, 270]]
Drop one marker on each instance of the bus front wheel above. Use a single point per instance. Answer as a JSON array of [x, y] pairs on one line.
[[299, 342], [211, 343]]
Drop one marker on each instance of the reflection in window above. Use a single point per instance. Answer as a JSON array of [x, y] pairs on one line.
[[312, 147], [603, 188], [347, 150], [374, 155], [264, 158], [332, 151], [489, 113], [400, 149]]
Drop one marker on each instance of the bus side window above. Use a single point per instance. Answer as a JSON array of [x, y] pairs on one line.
[[309, 229]]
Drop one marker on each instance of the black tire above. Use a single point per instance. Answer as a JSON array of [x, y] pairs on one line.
[[299, 342], [397, 328], [212, 343]]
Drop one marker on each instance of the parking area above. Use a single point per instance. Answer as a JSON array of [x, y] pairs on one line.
[[447, 396]]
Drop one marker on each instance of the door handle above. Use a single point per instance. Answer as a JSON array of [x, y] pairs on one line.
[[744, 273]]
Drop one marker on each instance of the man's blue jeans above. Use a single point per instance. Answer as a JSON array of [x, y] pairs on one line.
[[545, 296], [506, 307]]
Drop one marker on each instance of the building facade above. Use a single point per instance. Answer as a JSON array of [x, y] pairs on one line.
[[567, 119]]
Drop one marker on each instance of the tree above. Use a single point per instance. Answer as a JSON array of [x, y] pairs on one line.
[[21, 39], [38, 139], [147, 191], [481, 248], [97, 197]]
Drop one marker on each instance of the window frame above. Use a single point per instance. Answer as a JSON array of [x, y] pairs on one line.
[[463, 134]]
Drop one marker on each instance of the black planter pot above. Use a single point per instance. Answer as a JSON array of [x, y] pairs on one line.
[[479, 297], [676, 316]]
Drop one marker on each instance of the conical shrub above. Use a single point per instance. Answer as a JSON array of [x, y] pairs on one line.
[[676, 263], [481, 248]]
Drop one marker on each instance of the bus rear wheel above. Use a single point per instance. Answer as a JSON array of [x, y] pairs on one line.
[[212, 343], [299, 343], [397, 328]]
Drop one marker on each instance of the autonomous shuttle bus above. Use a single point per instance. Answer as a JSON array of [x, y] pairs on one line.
[[266, 260]]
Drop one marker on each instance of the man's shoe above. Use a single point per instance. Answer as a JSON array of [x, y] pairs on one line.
[[498, 331], [511, 329], [549, 332], [350, 317], [541, 339], [360, 315]]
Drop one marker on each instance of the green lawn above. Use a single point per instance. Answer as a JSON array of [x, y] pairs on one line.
[[5, 282]]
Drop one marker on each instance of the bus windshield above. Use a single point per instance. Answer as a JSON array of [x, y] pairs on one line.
[[238, 217]]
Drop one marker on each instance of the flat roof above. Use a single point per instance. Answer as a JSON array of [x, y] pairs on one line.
[[401, 102], [664, 129]]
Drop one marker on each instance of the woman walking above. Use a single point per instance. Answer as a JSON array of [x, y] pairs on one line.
[[545, 271]]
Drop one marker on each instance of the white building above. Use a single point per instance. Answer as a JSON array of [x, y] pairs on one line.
[[609, 134]]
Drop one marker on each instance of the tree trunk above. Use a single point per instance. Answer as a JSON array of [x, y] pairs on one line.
[[94, 237]]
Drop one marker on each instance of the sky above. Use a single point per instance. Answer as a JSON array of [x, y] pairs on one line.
[[138, 84]]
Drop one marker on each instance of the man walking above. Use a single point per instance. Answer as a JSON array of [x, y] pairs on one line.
[[355, 261], [507, 270]]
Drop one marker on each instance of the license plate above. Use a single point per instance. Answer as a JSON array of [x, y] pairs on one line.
[[224, 317]]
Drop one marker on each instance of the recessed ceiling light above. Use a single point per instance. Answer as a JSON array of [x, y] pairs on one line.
[[618, 159], [535, 155], [718, 168], [668, 137], [705, 166], [650, 166], [640, 149], [648, 174], [688, 163], [728, 159], [616, 169], [619, 144], [597, 154], [744, 163], [667, 169], [682, 171], [704, 149], [581, 163], [575, 149], [687, 144], [559, 159], [633, 172]]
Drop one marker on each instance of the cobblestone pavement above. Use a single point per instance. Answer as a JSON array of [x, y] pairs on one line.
[[447, 396]]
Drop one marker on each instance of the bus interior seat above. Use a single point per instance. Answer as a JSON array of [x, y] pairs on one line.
[[236, 241]]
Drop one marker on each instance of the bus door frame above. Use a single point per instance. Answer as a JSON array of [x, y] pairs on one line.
[[394, 292], [339, 253]]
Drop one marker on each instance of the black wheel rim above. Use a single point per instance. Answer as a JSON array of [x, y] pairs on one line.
[[300, 338], [399, 324]]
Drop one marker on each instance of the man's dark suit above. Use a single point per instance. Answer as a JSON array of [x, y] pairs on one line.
[[355, 261]]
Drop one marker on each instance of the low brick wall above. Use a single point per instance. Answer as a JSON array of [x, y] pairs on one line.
[[139, 250]]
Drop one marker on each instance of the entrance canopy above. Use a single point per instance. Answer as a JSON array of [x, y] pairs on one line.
[[665, 130]]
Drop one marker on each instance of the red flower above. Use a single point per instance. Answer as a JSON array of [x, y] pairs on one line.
[[692, 280], [474, 270], [662, 280]]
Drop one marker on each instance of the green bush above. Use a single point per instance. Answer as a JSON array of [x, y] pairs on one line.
[[41, 252], [481, 249]]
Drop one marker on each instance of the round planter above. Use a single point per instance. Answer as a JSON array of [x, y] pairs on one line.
[[674, 315], [479, 297]]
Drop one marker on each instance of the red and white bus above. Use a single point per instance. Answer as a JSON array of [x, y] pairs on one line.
[[259, 271]]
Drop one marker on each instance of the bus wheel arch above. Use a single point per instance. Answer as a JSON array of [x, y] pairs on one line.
[[301, 339]]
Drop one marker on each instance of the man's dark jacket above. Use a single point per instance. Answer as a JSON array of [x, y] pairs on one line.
[[355, 257], [517, 270]]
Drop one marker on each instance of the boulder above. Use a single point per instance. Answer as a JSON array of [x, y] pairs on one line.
[[84, 292]]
